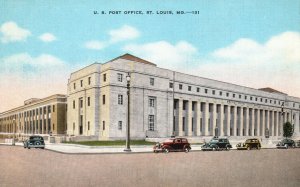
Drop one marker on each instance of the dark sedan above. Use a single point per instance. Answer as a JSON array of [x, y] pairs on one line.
[[286, 143]]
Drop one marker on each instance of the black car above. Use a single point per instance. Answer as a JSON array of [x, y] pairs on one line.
[[286, 143], [34, 142], [217, 144]]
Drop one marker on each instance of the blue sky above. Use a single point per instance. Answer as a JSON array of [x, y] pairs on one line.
[[39, 36]]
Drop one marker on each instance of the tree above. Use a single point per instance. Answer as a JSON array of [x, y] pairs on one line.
[[287, 130]]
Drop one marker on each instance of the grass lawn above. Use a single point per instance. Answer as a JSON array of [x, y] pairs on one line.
[[111, 143]]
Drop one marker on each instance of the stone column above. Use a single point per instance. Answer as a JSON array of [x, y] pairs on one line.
[[252, 122], [258, 123], [189, 118], [263, 123], [247, 122], [214, 119], [180, 106], [241, 125], [198, 113], [267, 125], [206, 118], [278, 117], [228, 120], [221, 130], [234, 120]]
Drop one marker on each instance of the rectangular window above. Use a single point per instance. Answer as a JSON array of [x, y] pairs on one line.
[[103, 99], [201, 124], [120, 99], [198, 89], [170, 85], [261, 99], [89, 80], [73, 126], [250, 98], [266, 100], [206, 91], [151, 122], [52, 109], [152, 81], [103, 125], [81, 83], [227, 94], [183, 123], [120, 125], [74, 85], [256, 99], [245, 97], [180, 86], [89, 101], [213, 92], [88, 125], [73, 104], [151, 101], [220, 93], [233, 95], [104, 77], [120, 77], [81, 103], [189, 88], [240, 96]]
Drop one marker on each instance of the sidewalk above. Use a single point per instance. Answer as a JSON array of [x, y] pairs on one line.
[[82, 149]]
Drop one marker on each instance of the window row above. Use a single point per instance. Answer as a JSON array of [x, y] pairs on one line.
[[81, 83]]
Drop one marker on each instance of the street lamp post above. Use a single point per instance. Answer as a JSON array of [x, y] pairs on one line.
[[127, 149]]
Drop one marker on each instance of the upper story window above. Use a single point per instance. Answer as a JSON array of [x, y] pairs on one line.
[[53, 108], [89, 80], [220, 93], [152, 81], [81, 103], [250, 98], [227, 94], [120, 99], [293, 104], [240, 96], [74, 85], [120, 77], [213, 92], [206, 91], [245, 97], [81, 83], [73, 104], [151, 101], [180, 86], [233, 95], [104, 77], [103, 99], [261, 99], [170, 85], [270, 101], [89, 101], [266, 100], [189, 88], [198, 89]]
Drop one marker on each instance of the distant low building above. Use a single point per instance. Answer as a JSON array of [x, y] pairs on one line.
[[165, 103], [37, 116]]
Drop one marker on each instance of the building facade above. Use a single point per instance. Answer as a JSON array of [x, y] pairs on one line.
[[165, 103], [37, 116]]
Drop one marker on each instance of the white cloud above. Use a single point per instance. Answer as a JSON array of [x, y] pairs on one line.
[[11, 32], [96, 45], [164, 53], [275, 63], [123, 33], [23, 76], [47, 37]]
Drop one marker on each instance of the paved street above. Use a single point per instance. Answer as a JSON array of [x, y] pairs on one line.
[[36, 167]]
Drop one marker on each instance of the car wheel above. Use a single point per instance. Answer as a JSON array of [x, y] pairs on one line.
[[28, 147], [293, 145], [227, 148], [258, 147], [42, 147], [248, 148], [186, 150], [167, 150], [286, 146]]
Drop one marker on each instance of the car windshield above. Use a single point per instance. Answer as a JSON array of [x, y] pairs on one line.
[[168, 140], [214, 141]]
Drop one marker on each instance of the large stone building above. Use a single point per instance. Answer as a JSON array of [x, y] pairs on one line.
[[164, 103], [37, 116]]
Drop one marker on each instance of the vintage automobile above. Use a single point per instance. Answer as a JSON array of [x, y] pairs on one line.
[[216, 144], [172, 144], [249, 144], [34, 142], [286, 143]]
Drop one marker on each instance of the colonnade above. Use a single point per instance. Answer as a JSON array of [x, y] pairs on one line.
[[204, 118]]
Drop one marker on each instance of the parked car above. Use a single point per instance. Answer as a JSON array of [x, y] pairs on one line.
[[249, 144], [34, 142], [286, 143], [216, 144], [172, 144], [297, 143]]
